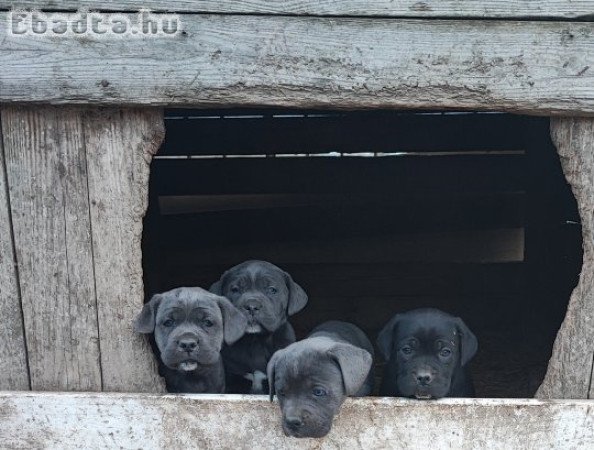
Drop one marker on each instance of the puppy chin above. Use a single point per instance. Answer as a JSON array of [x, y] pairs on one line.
[[307, 433], [254, 328], [187, 366]]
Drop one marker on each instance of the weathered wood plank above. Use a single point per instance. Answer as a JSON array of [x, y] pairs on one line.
[[159, 422], [45, 161], [120, 145], [381, 8], [14, 373], [534, 67], [569, 373]]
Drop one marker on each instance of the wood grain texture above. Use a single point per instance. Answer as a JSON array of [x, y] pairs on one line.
[[45, 161], [14, 373], [570, 369], [120, 145], [209, 421], [541, 68], [382, 8]]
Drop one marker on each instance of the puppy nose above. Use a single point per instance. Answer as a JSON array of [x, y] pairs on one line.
[[187, 345], [294, 422], [424, 377], [252, 306]]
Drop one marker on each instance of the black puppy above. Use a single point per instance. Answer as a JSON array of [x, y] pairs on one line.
[[426, 353], [312, 377], [267, 296], [190, 325]]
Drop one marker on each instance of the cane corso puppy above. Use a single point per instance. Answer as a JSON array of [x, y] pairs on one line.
[[189, 326], [427, 353], [312, 377], [267, 296]]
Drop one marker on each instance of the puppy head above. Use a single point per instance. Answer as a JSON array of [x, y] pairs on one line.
[[265, 294], [190, 325], [426, 346], [311, 379]]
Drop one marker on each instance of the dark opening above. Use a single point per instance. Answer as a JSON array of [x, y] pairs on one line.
[[375, 213]]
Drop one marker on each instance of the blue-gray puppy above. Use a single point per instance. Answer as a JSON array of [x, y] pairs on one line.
[[312, 377], [266, 295], [189, 326]]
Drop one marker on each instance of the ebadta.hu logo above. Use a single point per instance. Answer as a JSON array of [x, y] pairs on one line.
[[143, 24]]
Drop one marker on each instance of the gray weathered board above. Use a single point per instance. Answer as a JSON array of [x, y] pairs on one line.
[[64, 421], [13, 356], [381, 8], [78, 185], [544, 68], [570, 372]]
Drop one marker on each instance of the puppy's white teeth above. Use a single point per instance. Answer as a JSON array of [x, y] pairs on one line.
[[188, 366], [253, 328]]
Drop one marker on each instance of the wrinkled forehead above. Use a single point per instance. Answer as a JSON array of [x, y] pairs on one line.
[[186, 301], [428, 332], [312, 366], [256, 273]]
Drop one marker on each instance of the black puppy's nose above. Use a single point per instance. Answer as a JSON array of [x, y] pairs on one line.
[[424, 378], [294, 422], [187, 345]]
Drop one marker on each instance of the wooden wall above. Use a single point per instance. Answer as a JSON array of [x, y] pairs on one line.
[[74, 188]]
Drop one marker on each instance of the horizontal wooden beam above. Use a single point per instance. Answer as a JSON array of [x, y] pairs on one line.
[[381, 8], [543, 68], [352, 132], [214, 421]]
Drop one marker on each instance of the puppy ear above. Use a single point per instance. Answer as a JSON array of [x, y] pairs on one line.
[[145, 321], [271, 371], [468, 342], [386, 336], [217, 287], [297, 296], [234, 323], [355, 364]]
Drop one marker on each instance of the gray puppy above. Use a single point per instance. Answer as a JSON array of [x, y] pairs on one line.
[[267, 296], [427, 353], [312, 377], [189, 326]]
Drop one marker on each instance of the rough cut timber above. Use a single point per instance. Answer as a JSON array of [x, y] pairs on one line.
[[120, 145], [381, 8], [159, 422], [544, 68], [570, 373], [78, 184], [47, 180], [13, 355]]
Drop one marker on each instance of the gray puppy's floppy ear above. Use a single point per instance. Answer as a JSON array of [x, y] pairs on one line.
[[217, 286], [297, 296], [145, 321], [468, 342], [355, 364], [234, 322], [386, 336], [271, 372]]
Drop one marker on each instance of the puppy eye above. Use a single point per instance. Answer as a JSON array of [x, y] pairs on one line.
[[280, 392], [234, 289], [207, 323], [319, 392], [272, 290], [445, 352], [168, 323], [406, 350]]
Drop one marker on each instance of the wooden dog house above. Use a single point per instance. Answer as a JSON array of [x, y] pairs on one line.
[[82, 117]]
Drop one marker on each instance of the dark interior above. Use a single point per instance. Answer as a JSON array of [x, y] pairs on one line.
[[375, 213]]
